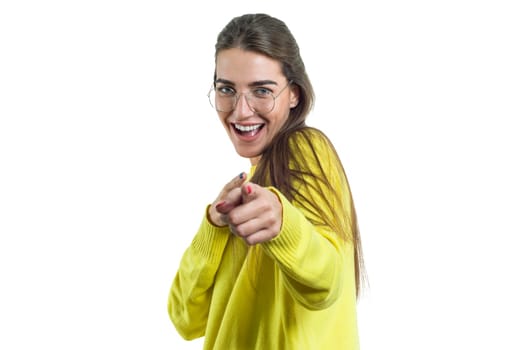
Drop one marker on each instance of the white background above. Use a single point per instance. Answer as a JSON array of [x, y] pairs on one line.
[[109, 153]]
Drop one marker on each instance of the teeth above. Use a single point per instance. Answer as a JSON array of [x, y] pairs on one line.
[[245, 128]]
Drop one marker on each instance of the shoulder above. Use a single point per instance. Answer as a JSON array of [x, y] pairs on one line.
[[311, 144], [309, 137]]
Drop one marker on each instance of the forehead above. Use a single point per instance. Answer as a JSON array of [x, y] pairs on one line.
[[242, 67]]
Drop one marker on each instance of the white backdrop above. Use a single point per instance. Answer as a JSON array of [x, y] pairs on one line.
[[109, 152]]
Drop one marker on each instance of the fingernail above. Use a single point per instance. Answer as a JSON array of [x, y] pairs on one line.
[[249, 189], [241, 175], [220, 204]]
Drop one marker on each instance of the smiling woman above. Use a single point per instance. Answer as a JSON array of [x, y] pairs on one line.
[[276, 262]]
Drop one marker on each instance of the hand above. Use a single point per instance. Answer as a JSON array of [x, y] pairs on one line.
[[254, 213], [229, 197]]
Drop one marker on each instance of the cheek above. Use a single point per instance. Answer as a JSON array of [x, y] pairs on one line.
[[223, 117], [281, 117]]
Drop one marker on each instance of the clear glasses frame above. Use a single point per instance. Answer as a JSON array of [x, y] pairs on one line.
[[266, 102]]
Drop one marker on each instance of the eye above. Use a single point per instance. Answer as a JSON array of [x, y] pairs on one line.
[[262, 92], [225, 91]]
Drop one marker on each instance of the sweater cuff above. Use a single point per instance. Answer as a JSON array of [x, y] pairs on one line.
[[210, 240]]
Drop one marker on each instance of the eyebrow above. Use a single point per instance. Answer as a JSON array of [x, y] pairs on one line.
[[252, 84]]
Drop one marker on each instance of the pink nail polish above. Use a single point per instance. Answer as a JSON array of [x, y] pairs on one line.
[[249, 189]]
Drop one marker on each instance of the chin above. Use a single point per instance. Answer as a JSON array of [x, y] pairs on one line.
[[247, 153]]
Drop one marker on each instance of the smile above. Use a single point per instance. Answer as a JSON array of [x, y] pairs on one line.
[[247, 130]]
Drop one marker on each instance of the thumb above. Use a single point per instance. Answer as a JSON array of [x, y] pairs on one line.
[[224, 207]]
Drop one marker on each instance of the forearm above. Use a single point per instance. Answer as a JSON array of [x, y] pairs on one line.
[[192, 287], [310, 258]]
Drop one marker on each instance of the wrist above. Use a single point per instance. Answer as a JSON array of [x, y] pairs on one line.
[[214, 217]]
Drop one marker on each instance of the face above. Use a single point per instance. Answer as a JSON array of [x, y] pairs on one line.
[[243, 72]]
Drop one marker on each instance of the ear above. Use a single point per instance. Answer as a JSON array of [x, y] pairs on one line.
[[295, 94]]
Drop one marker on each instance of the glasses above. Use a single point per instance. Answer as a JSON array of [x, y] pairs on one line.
[[260, 99]]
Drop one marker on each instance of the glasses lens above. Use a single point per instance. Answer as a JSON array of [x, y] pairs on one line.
[[261, 104], [221, 103]]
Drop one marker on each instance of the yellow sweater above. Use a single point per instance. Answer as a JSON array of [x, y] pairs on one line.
[[296, 291]]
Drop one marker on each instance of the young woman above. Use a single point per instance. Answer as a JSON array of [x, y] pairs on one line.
[[276, 262]]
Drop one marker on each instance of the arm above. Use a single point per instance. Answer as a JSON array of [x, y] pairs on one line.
[[191, 290], [314, 259]]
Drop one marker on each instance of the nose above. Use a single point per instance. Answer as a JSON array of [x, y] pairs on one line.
[[242, 108]]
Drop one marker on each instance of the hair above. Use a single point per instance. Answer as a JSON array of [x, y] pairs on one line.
[[279, 166]]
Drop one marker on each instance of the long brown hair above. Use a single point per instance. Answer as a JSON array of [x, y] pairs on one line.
[[279, 166]]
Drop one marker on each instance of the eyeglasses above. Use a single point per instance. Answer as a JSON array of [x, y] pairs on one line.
[[260, 99]]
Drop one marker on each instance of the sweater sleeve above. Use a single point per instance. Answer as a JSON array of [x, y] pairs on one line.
[[190, 294], [309, 253]]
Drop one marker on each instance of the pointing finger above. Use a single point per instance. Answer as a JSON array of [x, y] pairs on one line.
[[248, 192]]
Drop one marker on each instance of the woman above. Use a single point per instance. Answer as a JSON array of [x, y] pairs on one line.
[[276, 262]]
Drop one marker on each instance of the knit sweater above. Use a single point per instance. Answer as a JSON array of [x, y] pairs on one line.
[[296, 291]]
